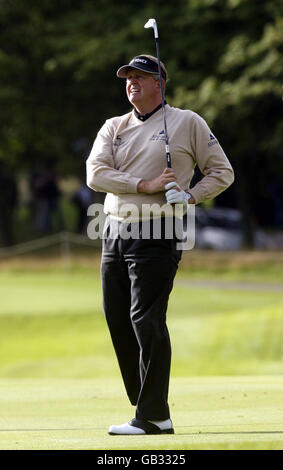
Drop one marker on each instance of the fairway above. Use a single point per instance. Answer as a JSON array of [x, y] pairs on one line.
[[208, 413], [60, 386]]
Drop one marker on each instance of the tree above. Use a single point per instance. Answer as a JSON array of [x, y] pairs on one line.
[[57, 86], [242, 99]]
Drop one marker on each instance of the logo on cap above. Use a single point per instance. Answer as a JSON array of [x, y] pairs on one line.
[[143, 61]]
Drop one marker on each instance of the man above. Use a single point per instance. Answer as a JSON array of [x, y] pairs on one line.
[[128, 162]]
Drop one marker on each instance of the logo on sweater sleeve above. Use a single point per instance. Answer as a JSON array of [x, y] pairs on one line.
[[212, 140]]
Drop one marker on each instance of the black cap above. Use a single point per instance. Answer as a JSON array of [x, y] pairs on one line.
[[145, 63]]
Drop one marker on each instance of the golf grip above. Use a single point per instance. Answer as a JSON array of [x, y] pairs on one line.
[[168, 157]]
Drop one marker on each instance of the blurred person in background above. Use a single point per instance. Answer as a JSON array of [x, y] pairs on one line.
[[45, 202], [8, 204], [82, 199]]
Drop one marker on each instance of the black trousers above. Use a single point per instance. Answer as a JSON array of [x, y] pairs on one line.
[[137, 278]]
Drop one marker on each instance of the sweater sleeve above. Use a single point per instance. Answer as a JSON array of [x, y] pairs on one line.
[[100, 167], [212, 162]]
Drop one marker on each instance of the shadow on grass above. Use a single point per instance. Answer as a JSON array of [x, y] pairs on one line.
[[204, 433]]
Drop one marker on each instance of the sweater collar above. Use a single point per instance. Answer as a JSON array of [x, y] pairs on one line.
[[144, 117]]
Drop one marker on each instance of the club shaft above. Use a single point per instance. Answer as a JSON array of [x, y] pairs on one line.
[[167, 149]]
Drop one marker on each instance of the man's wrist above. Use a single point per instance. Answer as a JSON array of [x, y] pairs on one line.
[[142, 186], [190, 199], [147, 187]]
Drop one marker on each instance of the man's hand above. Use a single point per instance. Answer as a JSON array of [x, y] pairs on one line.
[[175, 195], [157, 184]]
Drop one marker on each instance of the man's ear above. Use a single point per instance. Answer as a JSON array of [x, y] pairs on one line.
[[158, 84]]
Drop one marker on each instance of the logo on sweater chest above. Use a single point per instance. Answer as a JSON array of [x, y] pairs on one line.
[[118, 141], [158, 137]]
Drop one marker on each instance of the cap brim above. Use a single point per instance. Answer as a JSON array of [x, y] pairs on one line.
[[122, 71]]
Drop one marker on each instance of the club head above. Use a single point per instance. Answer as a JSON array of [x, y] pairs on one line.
[[151, 23]]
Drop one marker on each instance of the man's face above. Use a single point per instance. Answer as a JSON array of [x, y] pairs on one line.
[[142, 89]]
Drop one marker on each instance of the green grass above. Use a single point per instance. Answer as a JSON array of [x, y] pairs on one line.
[[59, 380], [52, 324], [208, 413]]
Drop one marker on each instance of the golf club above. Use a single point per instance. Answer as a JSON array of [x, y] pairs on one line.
[[151, 23]]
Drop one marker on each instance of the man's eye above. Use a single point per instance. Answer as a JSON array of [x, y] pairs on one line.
[[137, 77]]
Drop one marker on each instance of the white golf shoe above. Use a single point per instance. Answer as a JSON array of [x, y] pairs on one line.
[[139, 427]]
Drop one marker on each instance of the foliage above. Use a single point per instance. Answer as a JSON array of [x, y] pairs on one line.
[[225, 61]]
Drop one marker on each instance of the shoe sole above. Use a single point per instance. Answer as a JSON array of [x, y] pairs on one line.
[[164, 431]]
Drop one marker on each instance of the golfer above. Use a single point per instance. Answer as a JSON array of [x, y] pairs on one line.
[[128, 163]]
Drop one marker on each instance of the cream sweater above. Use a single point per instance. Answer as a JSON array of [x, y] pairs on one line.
[[127, 150]]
